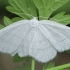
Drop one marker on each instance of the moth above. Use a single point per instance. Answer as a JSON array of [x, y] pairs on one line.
[[38, 39]]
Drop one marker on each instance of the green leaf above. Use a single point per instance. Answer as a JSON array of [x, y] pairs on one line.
[[7, 21], [20, 8], [31, 7], [27, 58], [47, 7], [26, 67], [50, 65], [16, 58], [1, 26], [17, 12], [39, 3], [28, 8], [45, 66], [52, 5], [61, 67], [41, 9], [18, 69], [17, 19], [68, 51], [61, 18], [13, 4], [58, 16]]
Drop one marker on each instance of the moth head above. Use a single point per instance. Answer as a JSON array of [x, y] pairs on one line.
[[34, 22]]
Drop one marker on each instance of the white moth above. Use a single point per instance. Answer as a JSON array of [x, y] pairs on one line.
[[38, 39]]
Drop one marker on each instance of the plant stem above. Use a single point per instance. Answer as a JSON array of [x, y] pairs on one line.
[[33, 64], [60, 67]]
